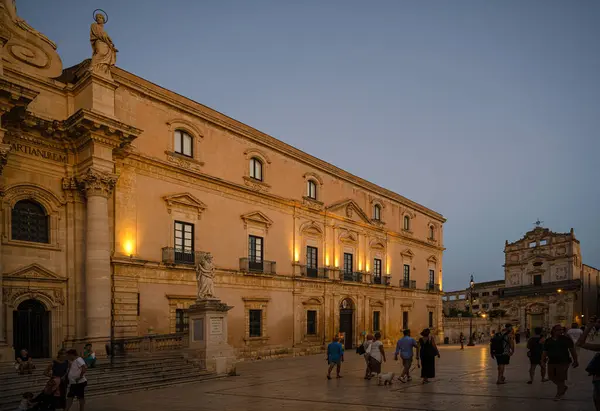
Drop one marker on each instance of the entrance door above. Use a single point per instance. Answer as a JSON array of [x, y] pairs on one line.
[[31, 323], [347, 322], [536, 320]]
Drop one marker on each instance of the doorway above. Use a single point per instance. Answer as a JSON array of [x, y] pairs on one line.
[[31, 322], [347, 322], [536, 320]]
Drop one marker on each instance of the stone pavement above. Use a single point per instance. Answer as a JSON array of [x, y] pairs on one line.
[[466, 381]]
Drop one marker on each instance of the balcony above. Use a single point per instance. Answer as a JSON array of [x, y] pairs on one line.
[[259, 267], [309, 272], [383, 280], [434, 288], [349, 276], [541, 289], [408, 284], [172, 255]]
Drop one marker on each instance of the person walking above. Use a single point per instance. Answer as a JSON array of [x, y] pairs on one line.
[[367, 349], [502, 348], [462, 341], [535, 347], [593, 367], [59, 369], [376, 354], [77, 380], [428, 351], [574, 333], [556, 351], [335, 357], [404, 349]]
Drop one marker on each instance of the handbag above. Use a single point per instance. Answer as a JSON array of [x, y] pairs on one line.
[[360, 350]]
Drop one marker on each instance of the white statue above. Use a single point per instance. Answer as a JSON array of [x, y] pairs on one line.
[[205, 274], [104, 51]]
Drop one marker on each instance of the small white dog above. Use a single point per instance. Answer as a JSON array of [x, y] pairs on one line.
[[386, 379]]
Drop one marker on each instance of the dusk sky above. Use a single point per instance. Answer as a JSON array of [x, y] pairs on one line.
[[485, 111]]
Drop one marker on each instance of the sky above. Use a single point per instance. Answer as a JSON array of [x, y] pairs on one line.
[[487, 112]]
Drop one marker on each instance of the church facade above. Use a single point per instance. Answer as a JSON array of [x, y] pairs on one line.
[[112, 187]]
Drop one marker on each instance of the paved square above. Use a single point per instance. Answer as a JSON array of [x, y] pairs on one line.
[[466, 381]]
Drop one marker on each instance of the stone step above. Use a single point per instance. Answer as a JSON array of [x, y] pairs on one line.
[[12, 404]]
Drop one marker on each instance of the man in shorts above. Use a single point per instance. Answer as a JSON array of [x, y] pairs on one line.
[[335, 357], [77, 380], [502, 348], [404, 348], [556, 351], [535, 346]]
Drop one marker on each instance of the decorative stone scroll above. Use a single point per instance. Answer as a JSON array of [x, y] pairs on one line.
[[97, 183]]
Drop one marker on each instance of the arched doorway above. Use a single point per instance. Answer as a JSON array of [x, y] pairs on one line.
[[31, 324], [347, 322]]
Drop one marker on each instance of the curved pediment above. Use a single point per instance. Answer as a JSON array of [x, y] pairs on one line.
[[377, 244], [313, 301], [311, 228], [348, 237]]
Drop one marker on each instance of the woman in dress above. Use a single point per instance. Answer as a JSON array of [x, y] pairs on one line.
[[59, 369], [428, 351]]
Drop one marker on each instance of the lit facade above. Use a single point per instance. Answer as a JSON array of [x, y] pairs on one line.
[[112, 185]]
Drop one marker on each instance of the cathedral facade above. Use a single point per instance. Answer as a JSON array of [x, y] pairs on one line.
[[112, 187]]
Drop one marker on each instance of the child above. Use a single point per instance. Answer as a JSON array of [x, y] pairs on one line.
[[47, 399], [26, 402]]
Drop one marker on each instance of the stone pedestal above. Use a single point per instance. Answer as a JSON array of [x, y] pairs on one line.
[[208, 336]]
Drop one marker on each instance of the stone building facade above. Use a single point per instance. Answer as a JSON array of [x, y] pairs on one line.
[[545, 283], [112, 185]]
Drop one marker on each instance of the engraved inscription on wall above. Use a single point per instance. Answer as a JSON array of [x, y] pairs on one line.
[[38, 152], [216, 326]]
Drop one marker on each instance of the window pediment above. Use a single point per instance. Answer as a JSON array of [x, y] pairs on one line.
[[407, 253], [182, 124], [34, 272], [184, 201], [257, 218], [311, 228], [432, 259], [377, 244], [349, 208], [312, 301], [348, 237]]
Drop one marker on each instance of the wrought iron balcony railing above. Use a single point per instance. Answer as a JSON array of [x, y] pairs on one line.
[[379, 279], [432, 287], [248, 265], [310, 272], [171, 255], [350, 276], [408, 284]]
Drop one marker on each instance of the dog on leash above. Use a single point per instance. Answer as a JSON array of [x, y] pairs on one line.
[[386, 379]]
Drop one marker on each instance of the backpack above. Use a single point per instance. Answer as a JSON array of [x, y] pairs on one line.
[[360, 350], [497, 344]]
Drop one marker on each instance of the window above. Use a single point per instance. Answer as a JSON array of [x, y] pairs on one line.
[[311, 189], [495, 305], [376, 324], [182, 322], [431, 278], [255, 253], [377, 271], [184, 243], [255, 323], [543, 242], [485, 294], [430, 319], [183, 143], [311, 261], [485, 306], [431, 232], [348, 267], [256, 167], [405, 320], [537, 279], [138, 304], [475, 295], [29, 222], [494, 292], [311, 322], [406, 277], [406, 223], [377, 212], [476, 307], [531, 245]]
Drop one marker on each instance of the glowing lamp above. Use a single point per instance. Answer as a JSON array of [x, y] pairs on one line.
[[559, 290], [128, 247], [327, 260]]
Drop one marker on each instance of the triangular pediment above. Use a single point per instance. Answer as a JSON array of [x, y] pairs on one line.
[[432, 259], [349, 209], [184, 200], [407, 253], [33, 272], [257, 217]]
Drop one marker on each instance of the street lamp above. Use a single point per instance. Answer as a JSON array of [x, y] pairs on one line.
[[471, 287]]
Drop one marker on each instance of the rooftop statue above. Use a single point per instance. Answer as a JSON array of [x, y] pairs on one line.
[[104, 51]]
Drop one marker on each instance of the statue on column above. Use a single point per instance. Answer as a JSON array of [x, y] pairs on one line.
[[205, 274], [104, 51]]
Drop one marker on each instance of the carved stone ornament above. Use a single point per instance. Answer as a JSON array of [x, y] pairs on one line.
[[349, 211], [104, 52], [97, 183], [514, 279], [4, 150], [205, 274]]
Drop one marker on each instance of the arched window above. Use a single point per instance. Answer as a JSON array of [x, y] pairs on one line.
[[311, 189], [256, 168], [377, 212], [406, 223], [431, 232], [183, 143], [29, 222]]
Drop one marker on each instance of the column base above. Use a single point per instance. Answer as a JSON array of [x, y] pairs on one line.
[[7, 353]]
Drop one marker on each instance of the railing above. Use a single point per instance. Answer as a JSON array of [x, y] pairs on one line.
[[544, 288], [348, 276], [248, 265], [408, 284], [171, 255], [384, 280], [150, 343], [310, 272], [432, 287]]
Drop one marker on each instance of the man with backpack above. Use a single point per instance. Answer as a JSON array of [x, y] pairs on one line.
[[502, 348], [535, 347]]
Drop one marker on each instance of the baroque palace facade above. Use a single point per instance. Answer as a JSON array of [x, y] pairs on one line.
[[112, 186], [545, 283]]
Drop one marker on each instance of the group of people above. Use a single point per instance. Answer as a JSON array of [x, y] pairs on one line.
[[374, 354], [66, 380]]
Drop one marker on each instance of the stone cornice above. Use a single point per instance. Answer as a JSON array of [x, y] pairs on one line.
[[86, 123], [184, 104], [14, 95]]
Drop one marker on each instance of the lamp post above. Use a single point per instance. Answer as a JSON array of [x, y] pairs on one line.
[[471, 286]]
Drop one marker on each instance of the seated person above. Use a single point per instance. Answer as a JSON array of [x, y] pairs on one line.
[[24, 363], [89, 356]]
